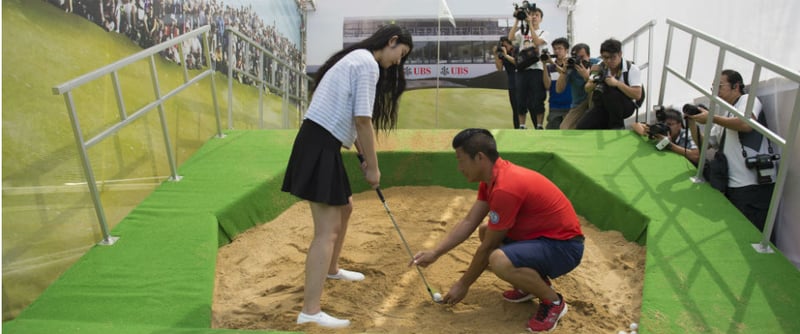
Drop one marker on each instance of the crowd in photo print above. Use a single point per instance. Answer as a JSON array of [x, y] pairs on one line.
[[151, 22]]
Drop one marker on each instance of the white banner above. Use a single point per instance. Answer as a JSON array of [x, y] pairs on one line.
[[456, 71]]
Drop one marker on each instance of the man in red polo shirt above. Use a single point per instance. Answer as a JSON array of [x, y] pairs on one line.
[[532, 235]]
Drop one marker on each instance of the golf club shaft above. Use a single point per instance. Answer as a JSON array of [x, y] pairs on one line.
[[400, 233]]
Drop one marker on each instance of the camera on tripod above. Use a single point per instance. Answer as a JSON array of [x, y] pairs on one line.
[[521, 11], [763, 164]]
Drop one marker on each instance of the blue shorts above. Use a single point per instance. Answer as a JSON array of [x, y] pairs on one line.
[[551, 258]]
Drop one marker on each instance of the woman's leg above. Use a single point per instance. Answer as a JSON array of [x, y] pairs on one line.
[[346, 210], [327, 227]]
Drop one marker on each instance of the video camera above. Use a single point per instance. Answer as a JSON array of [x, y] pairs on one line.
[[521, 11]]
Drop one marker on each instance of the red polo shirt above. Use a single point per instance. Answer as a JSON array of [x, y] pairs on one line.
[[527, 204]]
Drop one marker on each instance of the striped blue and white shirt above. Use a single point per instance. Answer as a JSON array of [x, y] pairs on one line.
[[346, 91]]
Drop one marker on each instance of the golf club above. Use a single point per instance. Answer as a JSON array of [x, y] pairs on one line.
[[408, 249]]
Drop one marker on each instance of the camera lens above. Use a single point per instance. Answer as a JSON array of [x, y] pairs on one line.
[[690, 109]]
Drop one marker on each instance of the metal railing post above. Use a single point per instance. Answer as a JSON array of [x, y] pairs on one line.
[[719, 106], [88, 172], [633, 38], [231, 65], [126, 119], [275, 77], [162, 116]]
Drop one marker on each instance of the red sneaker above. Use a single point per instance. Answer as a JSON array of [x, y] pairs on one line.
[[547, 316], [516, 296], [519, 296]]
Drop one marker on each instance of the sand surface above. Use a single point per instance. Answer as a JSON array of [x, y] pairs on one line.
[[259, 282]]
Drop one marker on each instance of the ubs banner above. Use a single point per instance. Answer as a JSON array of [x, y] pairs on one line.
[[460, 71], [460, 56]]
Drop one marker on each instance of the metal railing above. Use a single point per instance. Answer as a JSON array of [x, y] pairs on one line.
[[125, 119], [291, 83], [634, 38], [718, 106]]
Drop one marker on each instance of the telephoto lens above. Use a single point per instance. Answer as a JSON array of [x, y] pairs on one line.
[[690, 109]]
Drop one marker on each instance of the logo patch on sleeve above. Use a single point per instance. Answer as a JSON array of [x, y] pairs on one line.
[[494, 218]]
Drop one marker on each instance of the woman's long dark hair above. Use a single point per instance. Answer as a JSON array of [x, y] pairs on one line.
[[392, 81]]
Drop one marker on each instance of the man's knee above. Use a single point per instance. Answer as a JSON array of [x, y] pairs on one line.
[[498, 261]]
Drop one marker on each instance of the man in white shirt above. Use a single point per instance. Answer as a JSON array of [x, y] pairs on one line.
[[750, 185], [530, 88]]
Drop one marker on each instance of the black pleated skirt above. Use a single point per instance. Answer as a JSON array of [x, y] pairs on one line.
[[315, 171]]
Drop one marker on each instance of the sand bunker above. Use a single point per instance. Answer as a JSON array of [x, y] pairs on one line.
[[260, 275]]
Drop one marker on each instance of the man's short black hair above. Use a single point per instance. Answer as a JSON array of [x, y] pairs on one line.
[[611, 46], [673, 114], [538, 9], [734, 78], [580, 46], [474, 140], [561, 41]]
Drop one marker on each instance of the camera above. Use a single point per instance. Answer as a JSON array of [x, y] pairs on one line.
[[499, 49], [661, 115], [763, 164], [521, 11], [659, 128], [692, 109], [598, 78], [546, 56], [599, 87], [571, 61]]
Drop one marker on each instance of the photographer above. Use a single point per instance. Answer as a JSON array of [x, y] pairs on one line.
[[556, 65], [751, 178], [505, 53], [530, 90], [670, 134], [573, 78], [613, 90]]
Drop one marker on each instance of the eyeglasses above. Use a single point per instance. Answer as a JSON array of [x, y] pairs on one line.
[[609, 57], [721, 84]]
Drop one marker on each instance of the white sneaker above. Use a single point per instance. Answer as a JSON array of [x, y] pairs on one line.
[[322, 319], [347, 275]]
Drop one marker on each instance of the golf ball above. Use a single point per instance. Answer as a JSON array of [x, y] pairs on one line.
[[437, 297], [634, 326]]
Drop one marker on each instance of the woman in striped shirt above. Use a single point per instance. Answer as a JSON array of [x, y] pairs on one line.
[[357, 93]]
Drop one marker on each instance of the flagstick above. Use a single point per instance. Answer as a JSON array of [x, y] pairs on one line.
[[438, 66]]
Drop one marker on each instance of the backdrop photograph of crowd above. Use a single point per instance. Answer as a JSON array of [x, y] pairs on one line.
[[150, 22]]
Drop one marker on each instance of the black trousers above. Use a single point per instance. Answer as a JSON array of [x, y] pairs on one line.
[[531, 93], [753, 201], [514, 101], [609, 111]]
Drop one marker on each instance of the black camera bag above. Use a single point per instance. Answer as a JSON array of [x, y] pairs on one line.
[[716, 171], [527, 57]]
